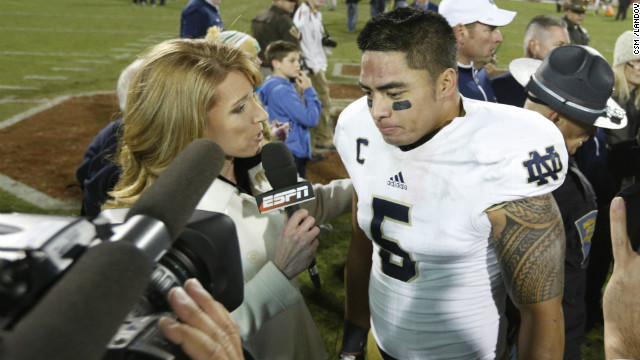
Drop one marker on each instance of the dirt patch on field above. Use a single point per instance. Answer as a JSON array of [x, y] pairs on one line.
[[350, 70], [345, 91], [44, 150]]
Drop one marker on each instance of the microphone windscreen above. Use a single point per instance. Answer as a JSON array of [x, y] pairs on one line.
[[278, 165], [174, 195], [78, 317]]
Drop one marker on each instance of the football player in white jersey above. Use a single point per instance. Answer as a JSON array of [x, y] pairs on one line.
[[453, 206]]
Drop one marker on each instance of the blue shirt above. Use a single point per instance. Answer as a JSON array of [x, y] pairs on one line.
[[197, 17], [283, 103], [475, 86]]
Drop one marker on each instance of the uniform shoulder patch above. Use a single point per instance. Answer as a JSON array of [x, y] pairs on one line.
[[541, 167]]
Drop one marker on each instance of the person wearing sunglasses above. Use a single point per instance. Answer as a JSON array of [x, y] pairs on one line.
[[574, 11]]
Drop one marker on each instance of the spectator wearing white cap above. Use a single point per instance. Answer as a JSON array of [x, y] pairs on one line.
[[475, 25]]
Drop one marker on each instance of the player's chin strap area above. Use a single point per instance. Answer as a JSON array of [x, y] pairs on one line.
[[354, 342]]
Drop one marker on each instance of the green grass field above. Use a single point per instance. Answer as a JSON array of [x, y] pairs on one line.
[[50, 49]]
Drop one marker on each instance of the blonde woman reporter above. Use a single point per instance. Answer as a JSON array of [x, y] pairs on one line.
[[189, 89]]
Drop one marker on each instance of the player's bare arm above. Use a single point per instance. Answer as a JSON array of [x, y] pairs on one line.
[[356, 273], [530, 245], [356, 279]]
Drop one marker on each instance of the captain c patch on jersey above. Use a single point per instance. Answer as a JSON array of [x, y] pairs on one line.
[[540, 167]]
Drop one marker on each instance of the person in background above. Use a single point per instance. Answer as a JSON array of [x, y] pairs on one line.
[[623, 6], [543, 34], [280, 97], [574, 12], [308, 20], [452, 208], [377, 7], [572, 89], [425, 5], [97, 174], [475, 25], [187, 89], [598, 161], [273, 24], [352, 14], [198, 16], [626, 67]]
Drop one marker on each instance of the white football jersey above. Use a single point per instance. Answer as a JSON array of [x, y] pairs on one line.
[[436, 290]]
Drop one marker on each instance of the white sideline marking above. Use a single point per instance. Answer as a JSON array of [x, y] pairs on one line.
[[86, 61], [70, 69], [34, 196], [40, 53], [12, 87], [44, 77], [48, 104], [125, 50]]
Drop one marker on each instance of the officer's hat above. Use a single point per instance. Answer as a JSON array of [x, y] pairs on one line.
[[574, 80]]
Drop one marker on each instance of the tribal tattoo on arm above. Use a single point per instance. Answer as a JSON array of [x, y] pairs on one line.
[[530, 245]]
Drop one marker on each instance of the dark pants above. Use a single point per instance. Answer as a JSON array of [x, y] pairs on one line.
[[574, 310], [600, 257], [301, 165], [623, 5]]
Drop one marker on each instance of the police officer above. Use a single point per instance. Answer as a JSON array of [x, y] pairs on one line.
[[273, 24], [574, 11], [577, 101]]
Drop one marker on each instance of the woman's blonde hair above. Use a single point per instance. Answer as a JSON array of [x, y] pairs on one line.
[[168, 105], [621, 91]]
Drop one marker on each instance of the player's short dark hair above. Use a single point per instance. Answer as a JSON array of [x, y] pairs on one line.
[[279, 50], [424, 36]]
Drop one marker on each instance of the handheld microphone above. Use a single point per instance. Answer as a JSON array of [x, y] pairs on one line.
[[282, 174]]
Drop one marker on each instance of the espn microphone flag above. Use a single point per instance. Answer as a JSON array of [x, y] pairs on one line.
[[286, 196]]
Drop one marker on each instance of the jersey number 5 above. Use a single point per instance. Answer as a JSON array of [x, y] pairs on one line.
[[396, 262]]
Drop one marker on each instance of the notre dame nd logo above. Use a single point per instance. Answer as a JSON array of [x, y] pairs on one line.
[[540, 167]]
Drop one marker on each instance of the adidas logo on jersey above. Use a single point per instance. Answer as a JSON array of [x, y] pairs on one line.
[[397, 181]]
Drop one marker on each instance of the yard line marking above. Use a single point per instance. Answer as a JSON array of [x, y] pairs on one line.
[[70, 69], [12, 87], [40, 53], [34, 196], [44, 77], [125, 50], [86, 16], [12, 99], [80, 31], [48, 104], [87, 61]]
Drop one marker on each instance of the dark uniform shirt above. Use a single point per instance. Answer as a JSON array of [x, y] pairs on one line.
[[577, 34], [576, 201], [271, 25], [508, 90]]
